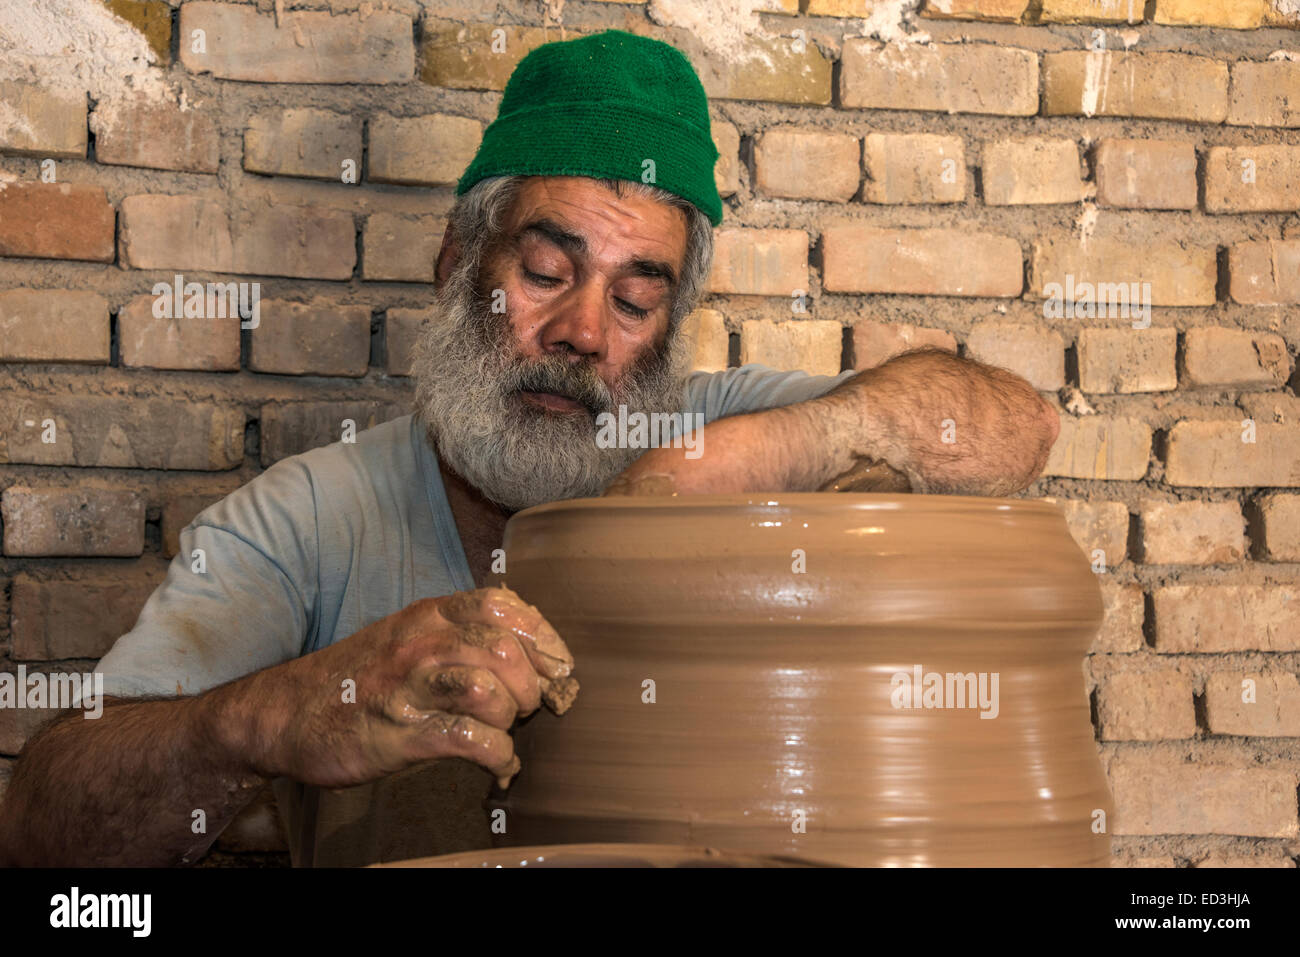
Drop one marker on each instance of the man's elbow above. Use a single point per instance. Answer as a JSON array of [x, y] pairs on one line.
[[1040, 434]]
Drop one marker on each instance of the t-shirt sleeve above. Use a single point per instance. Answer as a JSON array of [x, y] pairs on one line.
[[239, 596], [754, 387]]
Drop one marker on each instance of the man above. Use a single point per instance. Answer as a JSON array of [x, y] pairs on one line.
[[334, 636]]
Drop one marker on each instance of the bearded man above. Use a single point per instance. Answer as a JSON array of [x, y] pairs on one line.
[[336, 639]]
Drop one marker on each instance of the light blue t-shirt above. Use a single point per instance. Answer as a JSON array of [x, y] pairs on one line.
[[314, 549], [324, 543]]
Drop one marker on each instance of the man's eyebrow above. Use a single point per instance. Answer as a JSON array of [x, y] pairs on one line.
[[573, 243], [552, 231], [653, 269]]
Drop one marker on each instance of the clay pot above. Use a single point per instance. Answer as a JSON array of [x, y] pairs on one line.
[[601, 855], [749, 671]]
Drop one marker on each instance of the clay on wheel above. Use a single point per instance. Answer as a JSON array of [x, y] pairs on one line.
[[743, 662]]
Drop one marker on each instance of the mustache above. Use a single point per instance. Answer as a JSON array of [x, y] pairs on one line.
[[554, 374]]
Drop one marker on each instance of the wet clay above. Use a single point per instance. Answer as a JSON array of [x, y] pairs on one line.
[[805, 675], [869, 475], [604, 855]]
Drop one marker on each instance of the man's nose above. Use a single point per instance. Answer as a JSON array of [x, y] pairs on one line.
[[578, 324]]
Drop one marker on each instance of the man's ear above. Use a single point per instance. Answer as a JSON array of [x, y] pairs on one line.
[[448, 256]]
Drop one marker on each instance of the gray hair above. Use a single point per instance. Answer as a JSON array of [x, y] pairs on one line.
[[476, 219]]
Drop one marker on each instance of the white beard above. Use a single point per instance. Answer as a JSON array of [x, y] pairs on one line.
[[468, 379]]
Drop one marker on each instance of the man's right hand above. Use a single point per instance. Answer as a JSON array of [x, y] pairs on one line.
[[443, 677]]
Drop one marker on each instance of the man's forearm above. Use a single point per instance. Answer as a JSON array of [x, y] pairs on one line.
[[948, 425], [123, 789]]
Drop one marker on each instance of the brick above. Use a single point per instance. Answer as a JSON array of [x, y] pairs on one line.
[[1121, 628], [1162, 795], [771, 70], [1209, 454], [431, 150], [1265, 273], [1100, 447], [56, 221], [1277, 532], [878, 342], [726, 172], [177, 513], [199, 343], [153, 18], [838, 8], [712, 342], [1128, 360], [80, 618], [293, 427], [183, 232], [401, 332], [1191, 533], [1237, 861], [54, 325], [807, 164], [1216, 358], [84, 522], [809, 345], [760, 262], [1099, 526], [1034, 170], [126, 433], [1156, 861], [36, 121], [1179, 275], [1159, 86], [1146, 706], [188, 232], [1235, 14], [1092, 11], [1007, 11], [1269, 707], [308, 46], [1146, 174], [476, 56], [1252, 179], [1208, 619], [914, 168], [317, 337], [860, 258], [949, 77], [399, 248], [304, 142], [1034, 353], [155, 136], [1277, 14], [1264, 94]]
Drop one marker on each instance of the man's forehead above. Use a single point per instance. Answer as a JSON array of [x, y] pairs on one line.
[[588, 208]]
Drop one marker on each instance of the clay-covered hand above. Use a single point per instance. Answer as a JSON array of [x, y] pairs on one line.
[[443, 677]]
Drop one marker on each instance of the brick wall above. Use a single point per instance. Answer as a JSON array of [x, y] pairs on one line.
[[932, 192]]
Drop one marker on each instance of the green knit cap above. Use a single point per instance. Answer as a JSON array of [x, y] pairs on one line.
[[601, 106]]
